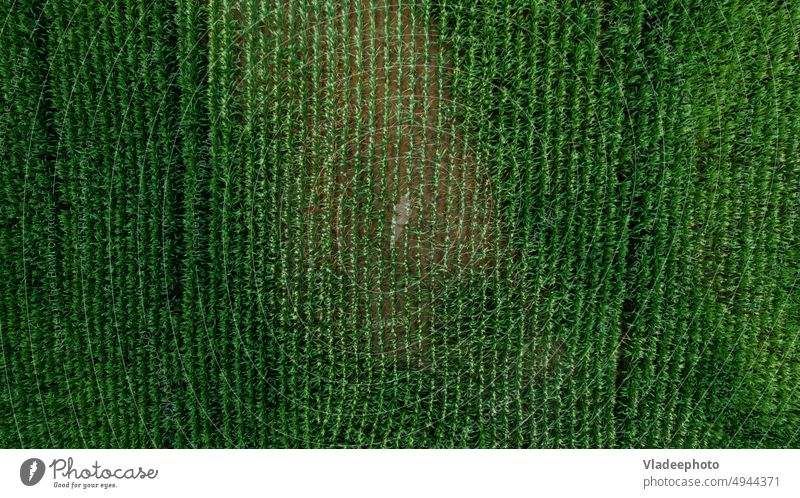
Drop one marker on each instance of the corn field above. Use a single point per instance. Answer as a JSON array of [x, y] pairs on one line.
[[400, 223]]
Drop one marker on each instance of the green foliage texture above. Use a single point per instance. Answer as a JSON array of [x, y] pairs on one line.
[[196, 199]]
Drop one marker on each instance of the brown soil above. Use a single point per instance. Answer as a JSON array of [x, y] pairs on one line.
[[399, 203]]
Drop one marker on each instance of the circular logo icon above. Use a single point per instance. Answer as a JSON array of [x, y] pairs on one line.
[[31, 471]]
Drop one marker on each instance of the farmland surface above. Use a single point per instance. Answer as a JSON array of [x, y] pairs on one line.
[[400, 223]]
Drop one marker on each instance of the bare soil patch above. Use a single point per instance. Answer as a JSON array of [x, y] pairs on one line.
[[397, 202]]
